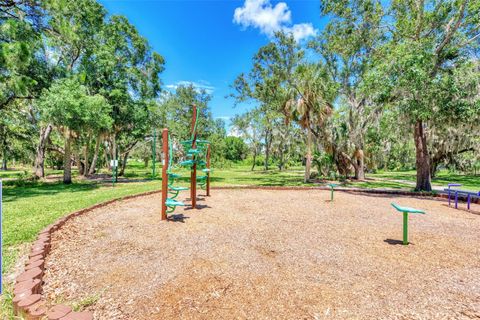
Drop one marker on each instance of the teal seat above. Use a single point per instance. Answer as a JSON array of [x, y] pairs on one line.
[[186, 142], [174, 203], [406, 209], [175, 191], [198, 141], [202, 178], [187, 163], [177, 188], [193, 151], [173, 175], [332, 186]]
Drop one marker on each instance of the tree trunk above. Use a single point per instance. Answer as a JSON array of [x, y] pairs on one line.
[[308, 157], [422, 159], [4, 162], [433, 167], [67, 161], [359, 165], [93, 165], [124, 164], [39, 168], [78, 162], [267, 149], [281, 164], [85, 156], [254, 158], [105, 155]]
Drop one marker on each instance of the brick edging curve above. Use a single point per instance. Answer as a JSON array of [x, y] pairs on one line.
[[27, 299]]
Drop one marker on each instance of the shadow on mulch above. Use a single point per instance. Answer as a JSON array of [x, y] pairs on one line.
[[177, 218], [198, 207], [198, 199], [394, 242]]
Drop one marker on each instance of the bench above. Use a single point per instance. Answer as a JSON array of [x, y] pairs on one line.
[[465, 193]]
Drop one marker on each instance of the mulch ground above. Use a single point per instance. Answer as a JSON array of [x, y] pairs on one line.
[[266, 254]]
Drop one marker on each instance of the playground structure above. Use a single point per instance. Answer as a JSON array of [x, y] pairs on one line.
[[198, 157], [469, 195]]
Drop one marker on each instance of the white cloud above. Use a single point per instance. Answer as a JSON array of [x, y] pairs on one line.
[[302, 31], [269, 19], [197, 85]]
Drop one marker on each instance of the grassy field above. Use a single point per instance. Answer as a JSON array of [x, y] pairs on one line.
[[443, 178], [30, 207]]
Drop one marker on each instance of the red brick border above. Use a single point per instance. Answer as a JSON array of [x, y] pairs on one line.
[[28, 301]]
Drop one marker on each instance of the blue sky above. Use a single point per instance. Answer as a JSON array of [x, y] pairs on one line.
[[210, 42]]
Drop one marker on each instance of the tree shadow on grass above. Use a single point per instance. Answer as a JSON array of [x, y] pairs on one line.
[[42, 189]]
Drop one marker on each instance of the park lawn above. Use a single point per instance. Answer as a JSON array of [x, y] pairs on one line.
[[443, 178], [12, 174]]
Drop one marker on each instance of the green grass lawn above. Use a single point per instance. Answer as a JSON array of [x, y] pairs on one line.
[[12, 174], [443, 178]]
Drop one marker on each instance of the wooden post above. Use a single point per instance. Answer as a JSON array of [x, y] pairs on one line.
[[193, 174], [164, 173], [208, 173]]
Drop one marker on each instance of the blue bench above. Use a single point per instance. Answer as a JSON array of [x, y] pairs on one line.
[[456, 192]]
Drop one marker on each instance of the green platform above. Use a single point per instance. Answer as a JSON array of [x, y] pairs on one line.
[[406, 211]]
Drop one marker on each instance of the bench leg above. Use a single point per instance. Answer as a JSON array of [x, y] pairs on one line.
[[468, 202], [405, 228], [456, 200], [449, 198]]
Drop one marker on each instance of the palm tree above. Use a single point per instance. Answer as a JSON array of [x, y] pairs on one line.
[[309, 102]]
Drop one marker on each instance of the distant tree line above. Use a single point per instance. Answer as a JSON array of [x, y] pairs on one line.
[[80, 87], [385, 85]]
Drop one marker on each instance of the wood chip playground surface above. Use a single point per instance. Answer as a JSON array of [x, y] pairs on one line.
[[269, 254]]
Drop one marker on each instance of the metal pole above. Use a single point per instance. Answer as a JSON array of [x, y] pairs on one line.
[[164, 173], [405, 228], [193, 174], [154, 151], [208, 172]]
